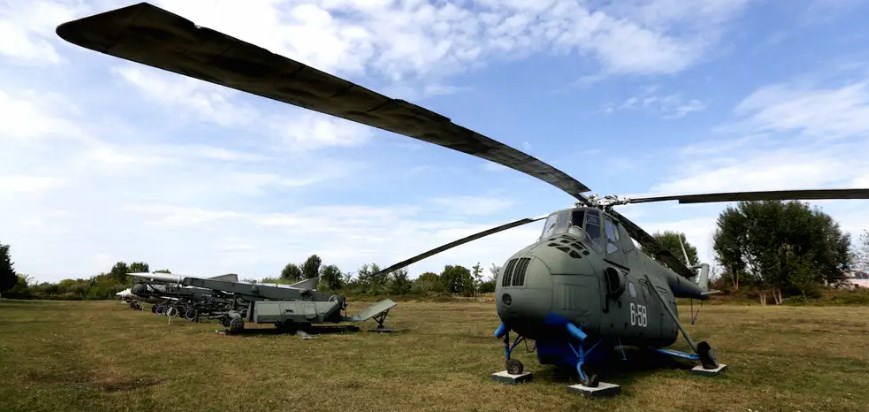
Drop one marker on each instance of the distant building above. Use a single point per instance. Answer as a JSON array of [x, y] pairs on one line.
[[857, 279]]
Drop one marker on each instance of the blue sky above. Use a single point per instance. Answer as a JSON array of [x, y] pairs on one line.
[[104, 160]]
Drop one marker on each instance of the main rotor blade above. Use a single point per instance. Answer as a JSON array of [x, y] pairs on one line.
[[149, 35], [809, 194], [653, 247], [459, 242]]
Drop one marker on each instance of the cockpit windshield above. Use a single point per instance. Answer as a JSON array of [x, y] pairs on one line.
[[564, 221], [556, 223]]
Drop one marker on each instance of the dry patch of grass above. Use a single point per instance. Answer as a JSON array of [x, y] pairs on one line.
[[102, 356]]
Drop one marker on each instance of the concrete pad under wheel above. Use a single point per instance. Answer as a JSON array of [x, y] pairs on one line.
[[506, 378], [602, 389], [699, 370]]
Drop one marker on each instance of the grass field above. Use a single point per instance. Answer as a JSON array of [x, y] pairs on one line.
[[94, 356]]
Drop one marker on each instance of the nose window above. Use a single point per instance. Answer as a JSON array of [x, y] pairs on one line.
[[514, 273], [519, 274], [508, 273]]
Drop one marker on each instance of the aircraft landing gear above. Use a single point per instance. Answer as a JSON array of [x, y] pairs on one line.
[[587, 377], [514, 372], [702, 351], [515, 367]]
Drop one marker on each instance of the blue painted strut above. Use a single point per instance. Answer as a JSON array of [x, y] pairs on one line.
[[678, 354], [576, 332], [499, 333], [504, 332]]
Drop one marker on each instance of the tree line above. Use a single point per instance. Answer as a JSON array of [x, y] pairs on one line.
[[777, 248], [368, 280]]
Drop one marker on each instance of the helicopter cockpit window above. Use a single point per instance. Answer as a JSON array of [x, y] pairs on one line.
[[556, 223], [549, 225], [592, 227], [612, 235], [575, 225], [562, 223]]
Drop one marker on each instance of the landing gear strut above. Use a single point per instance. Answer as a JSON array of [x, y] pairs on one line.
[[380, 318], [514, 366], [702, 351]]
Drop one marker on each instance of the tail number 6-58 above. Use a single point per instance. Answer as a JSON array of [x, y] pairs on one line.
[[638, 315]]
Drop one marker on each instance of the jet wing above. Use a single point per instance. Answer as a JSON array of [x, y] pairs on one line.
[[372, 311]]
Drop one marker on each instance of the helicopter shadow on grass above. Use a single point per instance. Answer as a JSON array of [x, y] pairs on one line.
[[640, 363]]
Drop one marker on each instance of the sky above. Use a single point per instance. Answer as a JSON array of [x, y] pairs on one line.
[[104, 160]]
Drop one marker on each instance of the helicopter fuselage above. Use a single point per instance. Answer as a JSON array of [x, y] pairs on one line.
[[585, 270]]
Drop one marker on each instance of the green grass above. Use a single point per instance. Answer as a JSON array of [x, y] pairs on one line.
[[95, 356]]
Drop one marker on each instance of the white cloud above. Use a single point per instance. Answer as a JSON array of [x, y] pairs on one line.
[[27, 29], [788, 146], [31, 115], [789, 142], [668, 106], [209, 101], [420, 39], [296, 129], [821, 112], [347, 235], [18, 184], [473, 205]]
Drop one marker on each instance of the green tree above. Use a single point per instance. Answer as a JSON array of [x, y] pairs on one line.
[[456, 279], [477, 277], [370, 281], [428, 282], [861, 255], [167, 271], [331, 277], [781, 246], [119, 272], [139, 267], [488, 286], [291, 272], [21, 290], [670, 240], [399, 282], [311, 267], [7, 273]]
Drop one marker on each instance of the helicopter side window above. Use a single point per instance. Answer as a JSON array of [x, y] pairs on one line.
[[592, 227], [612, 235]]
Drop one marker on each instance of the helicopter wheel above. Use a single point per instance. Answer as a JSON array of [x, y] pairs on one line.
[[588, 378], [190, 314], [515, 367], [707, 355], [236, 325]]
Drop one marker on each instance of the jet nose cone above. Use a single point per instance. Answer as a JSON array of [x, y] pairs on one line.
[[138, 289]]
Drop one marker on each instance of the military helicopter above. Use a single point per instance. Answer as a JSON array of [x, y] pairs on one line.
[[582, 289]]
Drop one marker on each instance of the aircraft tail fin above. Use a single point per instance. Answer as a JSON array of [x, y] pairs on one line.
[[703, 278], [229, 277], [307, 284]]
